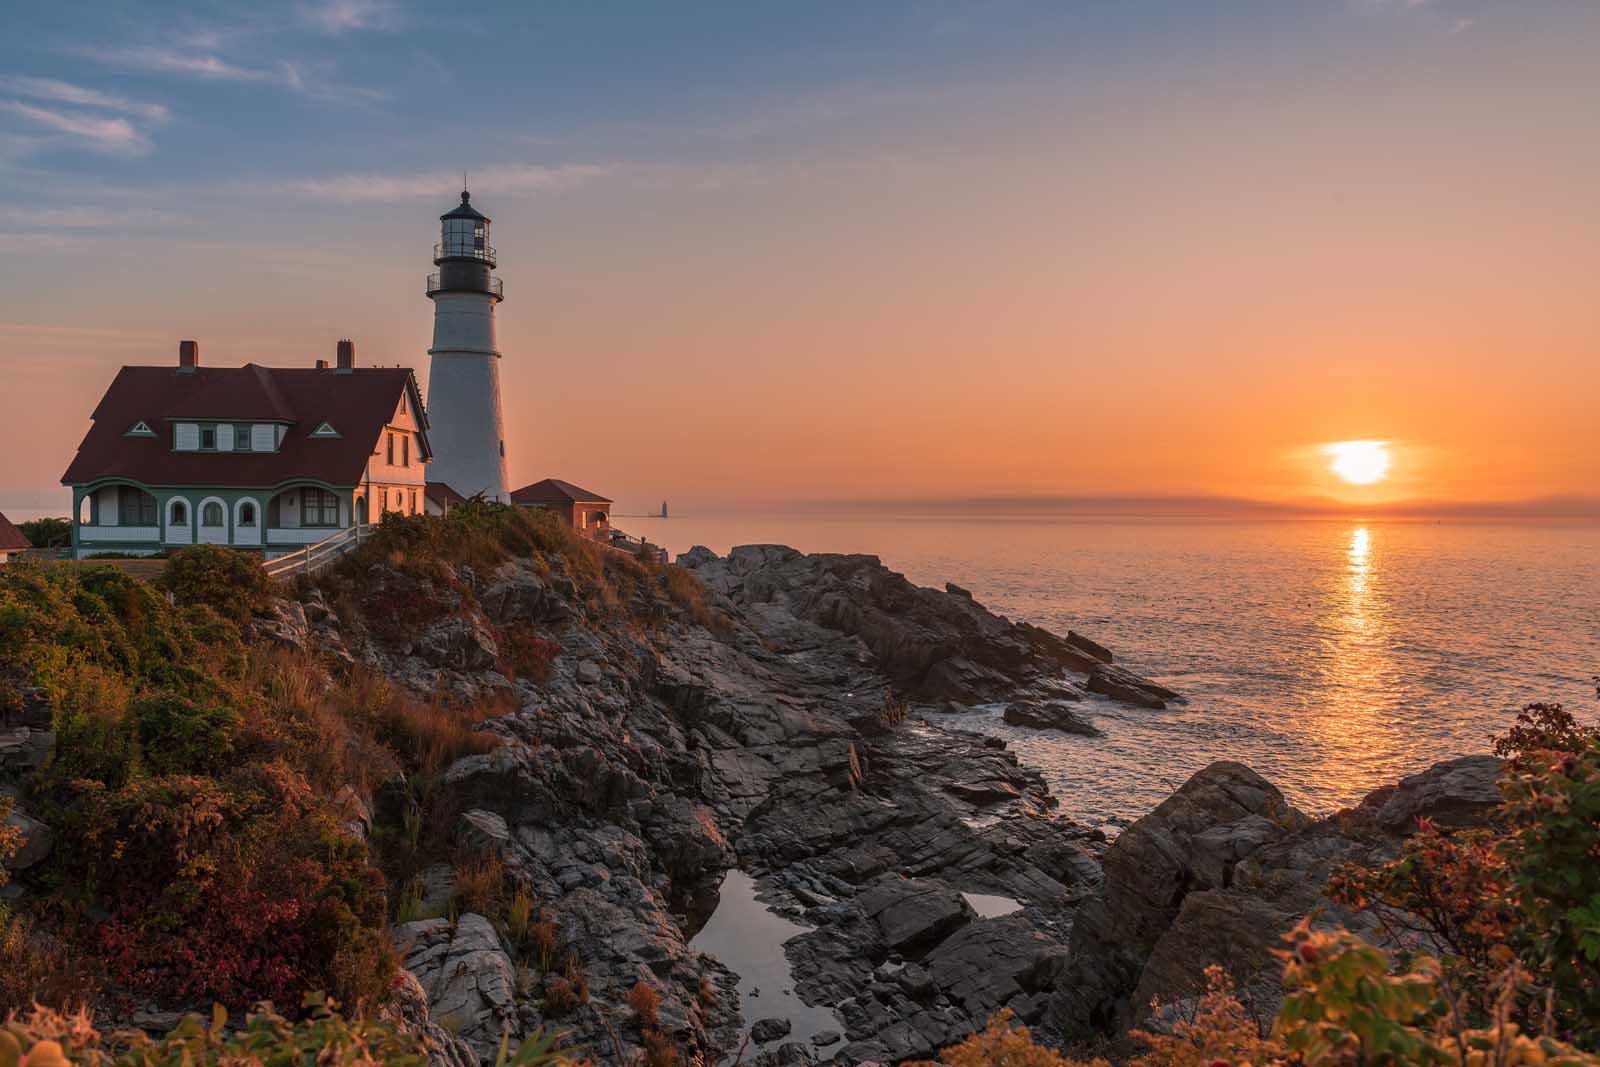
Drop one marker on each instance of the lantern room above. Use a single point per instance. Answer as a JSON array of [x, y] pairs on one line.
[[464, 234]]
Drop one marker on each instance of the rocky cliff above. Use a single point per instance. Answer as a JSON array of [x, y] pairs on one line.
[[789, 725]]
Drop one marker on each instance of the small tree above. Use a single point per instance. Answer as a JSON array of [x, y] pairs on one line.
[[47, 533]]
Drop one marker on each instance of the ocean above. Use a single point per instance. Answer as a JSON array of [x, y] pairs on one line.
[[1331, 656]]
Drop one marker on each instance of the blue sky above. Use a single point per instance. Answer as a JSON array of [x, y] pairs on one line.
[[737, 205]]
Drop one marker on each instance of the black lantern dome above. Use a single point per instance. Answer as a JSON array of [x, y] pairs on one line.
[[464, 255]]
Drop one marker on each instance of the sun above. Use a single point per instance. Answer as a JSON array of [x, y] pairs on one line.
[[1358, 462]]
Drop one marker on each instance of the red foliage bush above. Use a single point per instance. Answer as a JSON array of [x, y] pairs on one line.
[[232, 891], [527, 655]]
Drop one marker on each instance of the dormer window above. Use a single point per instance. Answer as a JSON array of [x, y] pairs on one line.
[[140, 429], [241, 438], [208, 438], [324, 430]]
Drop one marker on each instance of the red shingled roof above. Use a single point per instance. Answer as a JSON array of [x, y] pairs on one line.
[[441, 493], [556, 491], [357, 405], [11, 538]]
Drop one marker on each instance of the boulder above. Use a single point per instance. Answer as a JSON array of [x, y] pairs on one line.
[[1050, 717], [284, 622], [409, 1007], [766, 1031], [1124, 685], [459, 642], [1221, 871], [911, 913], [466, 973], [37, 841], [1084, 644], [482, 831], [1452, 794], [1189, 842], [24, 749]]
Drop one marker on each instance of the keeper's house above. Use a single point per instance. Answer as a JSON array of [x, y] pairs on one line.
[[269, 459]]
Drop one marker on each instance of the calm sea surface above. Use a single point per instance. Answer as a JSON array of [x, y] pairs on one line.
[[1333, 657]]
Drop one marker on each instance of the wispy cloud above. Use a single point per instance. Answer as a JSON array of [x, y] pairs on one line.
[[106, 135], [505, 178], [337, 16], [67, 93], [213, 66], [508, 179], [202, 64]]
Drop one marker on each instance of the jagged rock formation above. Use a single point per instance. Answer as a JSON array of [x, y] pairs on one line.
[[1219, 872]]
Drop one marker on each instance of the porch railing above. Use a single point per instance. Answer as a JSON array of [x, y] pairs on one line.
[[313, 558]]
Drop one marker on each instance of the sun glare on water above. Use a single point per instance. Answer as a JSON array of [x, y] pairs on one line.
[[1358, 462]]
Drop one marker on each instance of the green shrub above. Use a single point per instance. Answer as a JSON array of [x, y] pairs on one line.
[[178, 736], [228, 581], [197, 853]]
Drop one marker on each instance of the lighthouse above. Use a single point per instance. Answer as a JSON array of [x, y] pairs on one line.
[[466, 423]]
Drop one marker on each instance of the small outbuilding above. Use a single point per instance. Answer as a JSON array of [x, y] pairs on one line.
[[586, 512], [440, 499]]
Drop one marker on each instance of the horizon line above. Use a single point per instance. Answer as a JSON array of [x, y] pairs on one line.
[[1177, 505]]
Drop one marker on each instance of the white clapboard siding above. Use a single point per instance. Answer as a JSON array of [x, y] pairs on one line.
[[264, 437], [188, 437], [224, 437]]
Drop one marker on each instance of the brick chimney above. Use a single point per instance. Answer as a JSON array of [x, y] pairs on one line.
[[346, 356], [322, 364], [188, 357]]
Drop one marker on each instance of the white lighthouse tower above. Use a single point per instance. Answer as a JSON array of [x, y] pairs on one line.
[[466, 424]]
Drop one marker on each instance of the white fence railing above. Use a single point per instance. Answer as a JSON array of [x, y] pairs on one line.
[[313, 558]]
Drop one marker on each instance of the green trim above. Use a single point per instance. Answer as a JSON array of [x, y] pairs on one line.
[[159, 487]]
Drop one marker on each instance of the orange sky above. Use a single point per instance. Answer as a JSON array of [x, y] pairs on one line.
[[1167, 271]]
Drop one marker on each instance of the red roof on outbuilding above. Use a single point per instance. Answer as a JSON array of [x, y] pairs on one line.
[[441, 493], [11, 538], [358, 404], [556, 491]]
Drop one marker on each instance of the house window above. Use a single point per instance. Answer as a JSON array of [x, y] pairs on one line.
[[247, 514], [211, 514], [135, 507], [405, 451], [391, 449], [180, 513], [241, 438], [208, 437], [411, 502], [318, 507]]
